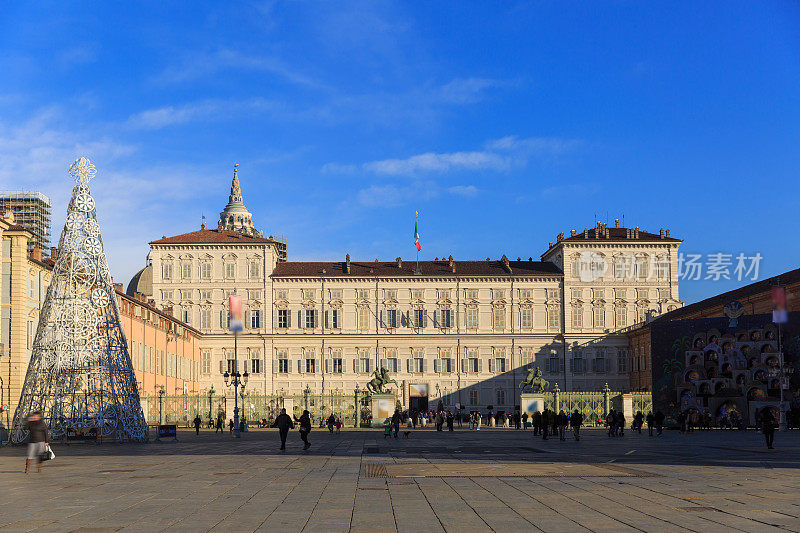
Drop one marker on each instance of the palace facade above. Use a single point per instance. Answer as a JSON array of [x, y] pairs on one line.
[[458, 331]]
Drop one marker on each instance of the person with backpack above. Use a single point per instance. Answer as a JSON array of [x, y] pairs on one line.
[[305, 428], [575, 422]]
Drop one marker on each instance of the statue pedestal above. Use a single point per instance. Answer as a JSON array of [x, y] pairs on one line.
[[382, 406], [530, 402]]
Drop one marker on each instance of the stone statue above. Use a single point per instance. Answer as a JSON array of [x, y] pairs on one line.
[[535, 381], [381, 379]]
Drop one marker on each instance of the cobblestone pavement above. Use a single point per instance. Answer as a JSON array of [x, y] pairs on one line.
[[466, 481]]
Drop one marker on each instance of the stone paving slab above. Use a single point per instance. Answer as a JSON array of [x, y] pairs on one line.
[[464, 481]]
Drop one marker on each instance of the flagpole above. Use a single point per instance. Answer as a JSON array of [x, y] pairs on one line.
[[416, 221]]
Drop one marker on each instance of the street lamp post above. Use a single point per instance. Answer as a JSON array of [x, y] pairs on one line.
[[235, 324], [236, 380], [161, 393], [211, 403]]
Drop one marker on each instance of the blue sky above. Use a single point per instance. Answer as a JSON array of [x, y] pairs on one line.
[[503, 123]]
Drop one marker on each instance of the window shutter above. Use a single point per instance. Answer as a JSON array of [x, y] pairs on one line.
[[491, 365], [560, 365], [480, 365], [437, 366], [316, 318], [288, 318], [327, 366], [463, 365], [288, 365], [608, 365], [425, 366], [221, 370], [355, 366], [244, 365], [507, 364], [369, 365], [274, 366], [247, 319], [383, 363], [300, 323], [408, 365], [404, 320], [301, 367], [424, 319], [435, 318], [383, 318], [327, 319], [275, 318]]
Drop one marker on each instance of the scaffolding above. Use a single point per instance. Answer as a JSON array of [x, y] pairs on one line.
[[32, 211]]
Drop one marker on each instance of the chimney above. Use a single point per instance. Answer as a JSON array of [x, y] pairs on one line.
[[53, 253], [519, 258], [661, 233], [347, 264], [36, 253], [152, 302], [168, 311], [118, 287], [530, 259], [506, 266], [585, 233], [667, 232], [450, 260], [572, 232], [560, 237], [636, 232], [436, 258], [616, 222], [399, 263], [550, 244], [203, 225]]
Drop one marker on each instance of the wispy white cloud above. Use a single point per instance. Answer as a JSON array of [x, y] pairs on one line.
[[498, 155], [392, 195], [468, 90], [201, 65], [162, 117], [463, 190], [572, 189]]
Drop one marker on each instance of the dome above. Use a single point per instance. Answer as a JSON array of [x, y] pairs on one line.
[[141, 282]]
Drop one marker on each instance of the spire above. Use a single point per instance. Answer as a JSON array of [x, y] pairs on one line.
[[235, 216]]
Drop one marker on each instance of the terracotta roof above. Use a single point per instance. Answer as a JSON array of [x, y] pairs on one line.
[[427, 268], [618, 234], [211, 236]]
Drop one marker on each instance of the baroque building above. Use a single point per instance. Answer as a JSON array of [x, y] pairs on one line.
[[458, 331]]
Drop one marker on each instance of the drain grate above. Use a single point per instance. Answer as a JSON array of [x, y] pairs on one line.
[[376, 470], [696, 509], [115, 471]]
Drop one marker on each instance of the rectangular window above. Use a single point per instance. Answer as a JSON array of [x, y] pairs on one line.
[[230, 270], [186, 316], [526, 317], [418, 318], [640, 268], [446, 365], [622, 361], [391, 364], [310, 319], [166, 270], [255, 270], [333, 321], [599, 317], [390, 294], [391, 318], [641, 294], [577, 317], [417, 363], [472, 317], [577, 294], [362, 294], [254, 294], [598, 294], [471, 294], [186, 271], [553, 364], [526, 357], [525, 294], [231, 365], [473, 397], [599, 364], [362, 363], [283, 318], [499, 318], [255, 319], [473, 364], [662, 269], [283, 362], [280, 294], [255, 362], [336, 363], [446, 320], [553, 318], [336, 294], [499, 294], [501, 397], [620, 317], [620, 293], [206, 295], [577, 362], [311, 365], [308, 294], [417, 294], [205, 270], [576, 268], [443, 294], [498, 365], [552, 294], [363, 317], [166, 295], [621, 268], [205, 318], [663, 294]]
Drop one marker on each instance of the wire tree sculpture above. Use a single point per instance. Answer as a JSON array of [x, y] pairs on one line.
[[80, 375]]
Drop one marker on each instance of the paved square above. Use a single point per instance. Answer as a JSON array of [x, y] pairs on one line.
[[501, 480]]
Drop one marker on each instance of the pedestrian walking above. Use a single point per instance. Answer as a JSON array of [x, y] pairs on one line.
[[331, 422], [230, 424], [220, 422], [396, 422], [449, 421], [575, 422], [545, 423], [338, 425], [650, 421], [659, 420], [536, 421], [611, 419], [768, 426], [517, 420], [284, 423], [638, 421], [621, 423], [37, 441], [305, 428], [561, 422], [197, 423]]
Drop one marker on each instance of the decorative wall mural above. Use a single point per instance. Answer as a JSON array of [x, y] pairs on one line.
[[80, 375]]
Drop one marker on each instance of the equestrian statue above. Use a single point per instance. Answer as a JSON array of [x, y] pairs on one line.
[[381, 379], [535, 381]]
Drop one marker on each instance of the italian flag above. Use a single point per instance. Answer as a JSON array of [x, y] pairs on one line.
[[416, 237]]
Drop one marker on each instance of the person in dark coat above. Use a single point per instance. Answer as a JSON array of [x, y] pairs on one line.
[[197, 423], [219, 424], [638, 421], [284, 423], [517, 420], [545, 423], [768, 426], [561, 423], [38, 440], [611, 422], [575, 421], [650, 419], [396, 422], [305, 429], [658, 418], [449, 421], [331, 422], [536, 422]]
